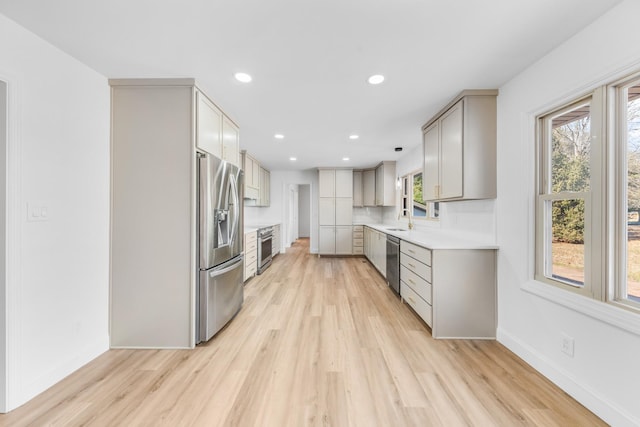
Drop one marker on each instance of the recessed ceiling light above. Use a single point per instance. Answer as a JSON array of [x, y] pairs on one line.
[[376, 79], [242, 77], [278, 136], [354, 136], [346, 159], [293, 159]]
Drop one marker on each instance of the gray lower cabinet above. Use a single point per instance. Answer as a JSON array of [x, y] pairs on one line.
[[453, 291]]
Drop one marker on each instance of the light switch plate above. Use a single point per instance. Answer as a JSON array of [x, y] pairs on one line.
[[37, 211]]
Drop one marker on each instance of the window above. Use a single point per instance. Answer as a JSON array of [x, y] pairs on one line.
[[627, 137], [411, 201], [588, 195]]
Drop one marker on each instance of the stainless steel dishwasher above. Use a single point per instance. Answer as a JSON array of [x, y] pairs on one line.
[[393, 263]]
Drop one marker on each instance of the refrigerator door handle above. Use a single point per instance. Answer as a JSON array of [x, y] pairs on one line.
[[236, 209], [218, 272]]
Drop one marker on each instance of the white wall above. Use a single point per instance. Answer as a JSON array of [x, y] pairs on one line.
[[58, 279], [304, 210], [603, 374]]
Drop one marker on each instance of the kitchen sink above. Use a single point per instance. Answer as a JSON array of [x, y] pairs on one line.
[[397, 229]]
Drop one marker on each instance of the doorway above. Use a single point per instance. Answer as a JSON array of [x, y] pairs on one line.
[[292, 223], [304, 211], [298, 212]]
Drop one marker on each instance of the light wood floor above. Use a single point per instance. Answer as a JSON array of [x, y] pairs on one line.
[[319, 341]]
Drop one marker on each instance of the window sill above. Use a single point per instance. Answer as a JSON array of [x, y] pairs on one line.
[[609, 313]]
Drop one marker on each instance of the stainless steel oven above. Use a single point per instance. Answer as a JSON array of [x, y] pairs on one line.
[[265, 237]]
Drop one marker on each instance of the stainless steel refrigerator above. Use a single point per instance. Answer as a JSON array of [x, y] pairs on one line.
[[220, 231]]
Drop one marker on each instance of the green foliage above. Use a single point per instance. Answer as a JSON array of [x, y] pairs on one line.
[[570, 173], [568, 221], [417, 188]]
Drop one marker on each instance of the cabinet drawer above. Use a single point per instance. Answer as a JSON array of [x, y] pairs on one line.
[[251, 246], [417, 267], [250, 257], [358, 250], [416, 283], [419, 305], [358, 228], [415, 251], [358, 234], [250, 237], [358, 242]]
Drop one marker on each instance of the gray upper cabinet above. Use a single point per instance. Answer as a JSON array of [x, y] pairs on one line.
[[369, 187], [460, 149], [358, 200], [385, 184]]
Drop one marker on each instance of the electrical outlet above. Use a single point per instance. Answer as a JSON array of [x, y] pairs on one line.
[[567, 345]]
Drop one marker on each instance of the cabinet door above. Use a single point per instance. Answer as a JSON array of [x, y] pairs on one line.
[[327, 183], [327, 240], [344, 211], [275, 241], [327, 211], [367, 243], [255, 176], [208, 126], [264, 187], [344, 183], [451, 153], [267, 190], [230, 142], [381, 253], [358, 199], [369, 187], [430, 177], [344, 240], [380, 185]]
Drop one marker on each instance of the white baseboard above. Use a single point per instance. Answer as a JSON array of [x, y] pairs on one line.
[[590, 398], [55, 375]]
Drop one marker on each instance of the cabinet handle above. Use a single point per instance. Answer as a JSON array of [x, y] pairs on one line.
[[411, 265], [412, 300], [411, 251], [411, 281]]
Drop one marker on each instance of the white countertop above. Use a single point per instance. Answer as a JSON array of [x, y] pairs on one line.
[[248, 229], [254, 227], [431, 239]]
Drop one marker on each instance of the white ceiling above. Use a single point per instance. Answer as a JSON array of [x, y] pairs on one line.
[[310, 60]]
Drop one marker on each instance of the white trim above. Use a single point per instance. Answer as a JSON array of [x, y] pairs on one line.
[[43, 382], [13, 288], [601, 405], [620, 318]]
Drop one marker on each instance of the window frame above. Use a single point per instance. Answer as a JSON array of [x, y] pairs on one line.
[[593, 285], [617, 291], [606, 205], [406, 199]]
